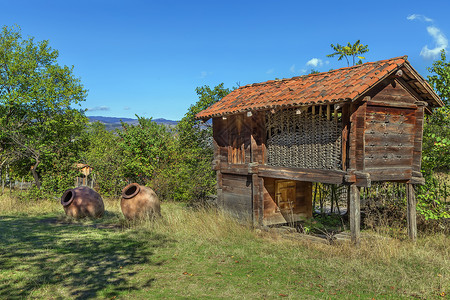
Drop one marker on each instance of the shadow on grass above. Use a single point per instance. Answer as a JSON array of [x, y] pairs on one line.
[[81, 261]]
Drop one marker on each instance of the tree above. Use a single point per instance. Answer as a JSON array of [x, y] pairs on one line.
[[350, 52], [105, 157], [436, 146], [436, 142], [145, 147], [440, 78], [187, 176], [194, 133], [36, 94]]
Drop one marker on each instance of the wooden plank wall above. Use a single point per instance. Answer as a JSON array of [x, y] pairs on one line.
[[389, 137], [239, 139], [258, 134], [392, 134], [220, 137], [356, 136], [237, 195], [418, 138]]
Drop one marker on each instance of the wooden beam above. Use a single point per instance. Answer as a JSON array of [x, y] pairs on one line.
[[354, 213], [417, 180], [357, 136], [299, 174], [219, 189], [411, 211], [239, 169], [418, 139], [390, 104], [345, 134], [258, 200]]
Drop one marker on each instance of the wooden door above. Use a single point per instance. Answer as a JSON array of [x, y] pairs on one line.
[[285, 194]]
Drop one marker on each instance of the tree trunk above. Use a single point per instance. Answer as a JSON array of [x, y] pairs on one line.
[[35, 174], [1, 178]]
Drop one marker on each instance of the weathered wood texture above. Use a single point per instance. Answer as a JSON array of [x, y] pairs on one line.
[[393, 133], [354, 213], [239, 140], [394, 94], [286, 201], [258, 199], [418, 138], [308, 175], [389, 142], [258, 138], [357, 136], [237, 195], [219, 178], [345, 134], [220, 138], [411, 211], [232, 139]]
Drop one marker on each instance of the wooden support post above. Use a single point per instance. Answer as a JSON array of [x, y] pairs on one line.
[[411, 211], [219, 189], [354, 213], [258, 200]]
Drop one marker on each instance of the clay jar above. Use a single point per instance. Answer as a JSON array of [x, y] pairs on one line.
[[82, 202], [139, 201]]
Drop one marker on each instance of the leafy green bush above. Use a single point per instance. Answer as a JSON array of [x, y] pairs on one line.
[[431, 199]]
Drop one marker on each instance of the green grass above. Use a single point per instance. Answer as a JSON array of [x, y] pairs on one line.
[[201, 254]]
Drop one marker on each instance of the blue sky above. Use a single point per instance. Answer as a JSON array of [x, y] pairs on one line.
[[147, 57]]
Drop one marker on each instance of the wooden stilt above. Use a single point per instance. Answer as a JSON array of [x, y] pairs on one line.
[[354, 213], [219, 189], [258, 202], [411, 211]]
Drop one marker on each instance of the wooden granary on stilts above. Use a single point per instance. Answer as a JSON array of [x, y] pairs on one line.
[[350, 126]]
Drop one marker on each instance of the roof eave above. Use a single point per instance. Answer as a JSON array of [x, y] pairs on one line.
[[425, 84]]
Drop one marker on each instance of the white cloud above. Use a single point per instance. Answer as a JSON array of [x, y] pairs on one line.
[[270, 71], [292, 69], [203, 74], [303, 71], [314, 62], [126, 108], [99, 108], [419, 17], [440, 41]]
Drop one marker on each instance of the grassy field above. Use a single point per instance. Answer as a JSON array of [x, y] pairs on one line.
[[202, 254]]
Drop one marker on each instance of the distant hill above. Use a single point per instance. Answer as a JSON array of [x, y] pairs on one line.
[[112, 123]]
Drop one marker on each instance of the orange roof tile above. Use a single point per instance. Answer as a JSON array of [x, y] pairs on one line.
[[328, 87]]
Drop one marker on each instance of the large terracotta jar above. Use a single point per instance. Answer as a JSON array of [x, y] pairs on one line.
[[139, 201], [82, 202]]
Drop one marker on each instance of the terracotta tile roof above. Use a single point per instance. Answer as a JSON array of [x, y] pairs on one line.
[[329, 87]]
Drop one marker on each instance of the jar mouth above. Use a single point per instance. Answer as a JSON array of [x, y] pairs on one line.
[[67, 197], [130, 190]]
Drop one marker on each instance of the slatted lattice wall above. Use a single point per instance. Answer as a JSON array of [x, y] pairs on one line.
[[309, 138]]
